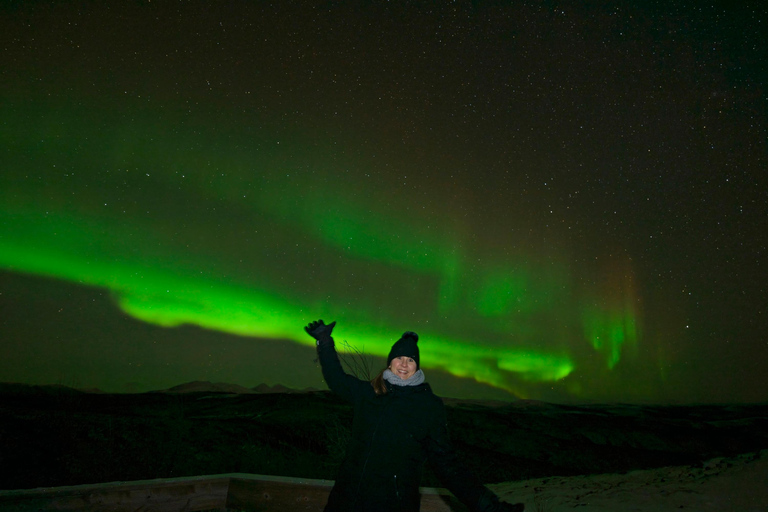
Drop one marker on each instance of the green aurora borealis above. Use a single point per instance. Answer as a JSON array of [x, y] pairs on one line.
[[246, 221], [163, 265]]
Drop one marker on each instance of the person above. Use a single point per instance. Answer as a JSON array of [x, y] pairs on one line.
[[398, 424]]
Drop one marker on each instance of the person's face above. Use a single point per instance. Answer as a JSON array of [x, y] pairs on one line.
[[403, 366]]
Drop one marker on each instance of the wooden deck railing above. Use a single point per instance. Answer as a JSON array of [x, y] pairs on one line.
[[230, 492]]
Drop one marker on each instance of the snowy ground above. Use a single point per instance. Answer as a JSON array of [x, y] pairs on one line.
[[722, 484]]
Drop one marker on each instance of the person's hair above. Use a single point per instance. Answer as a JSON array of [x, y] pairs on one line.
[[379, 387]]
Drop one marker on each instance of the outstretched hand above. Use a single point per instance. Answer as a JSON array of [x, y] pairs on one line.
[[319, 330]]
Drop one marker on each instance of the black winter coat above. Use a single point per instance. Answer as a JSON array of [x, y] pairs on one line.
[[392, 436]]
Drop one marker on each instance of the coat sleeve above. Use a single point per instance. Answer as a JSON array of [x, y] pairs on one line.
[[347, 386], [452, 472]]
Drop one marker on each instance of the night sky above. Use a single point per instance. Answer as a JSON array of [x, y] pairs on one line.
[[566, 200]]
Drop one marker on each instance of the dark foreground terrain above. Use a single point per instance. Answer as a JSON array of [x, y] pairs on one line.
[[59, 436]]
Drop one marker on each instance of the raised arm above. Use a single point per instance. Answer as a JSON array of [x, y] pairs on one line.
[[341, 383]]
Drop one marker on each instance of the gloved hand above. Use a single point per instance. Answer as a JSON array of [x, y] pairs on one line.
[[320, 331]]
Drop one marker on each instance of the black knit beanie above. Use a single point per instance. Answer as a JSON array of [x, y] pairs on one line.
[[405, 346]]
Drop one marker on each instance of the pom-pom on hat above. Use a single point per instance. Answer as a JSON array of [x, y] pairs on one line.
[[405, 346]]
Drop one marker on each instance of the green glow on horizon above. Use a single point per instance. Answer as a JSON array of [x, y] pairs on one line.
[[56, 246], [259, 254]]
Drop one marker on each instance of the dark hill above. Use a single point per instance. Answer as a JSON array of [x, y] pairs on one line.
[[54, 437]]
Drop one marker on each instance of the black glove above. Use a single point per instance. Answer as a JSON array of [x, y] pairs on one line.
[[320, 331]]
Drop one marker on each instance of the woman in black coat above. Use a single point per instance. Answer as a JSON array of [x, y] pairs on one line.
[[398, 424]]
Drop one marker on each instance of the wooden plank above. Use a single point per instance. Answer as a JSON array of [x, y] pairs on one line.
[[255, 493], [161, 495], [440, 500], [235, 491], [251, 493]]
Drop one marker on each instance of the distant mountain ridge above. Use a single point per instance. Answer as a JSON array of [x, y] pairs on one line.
[[204, 386], [198, 386]]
